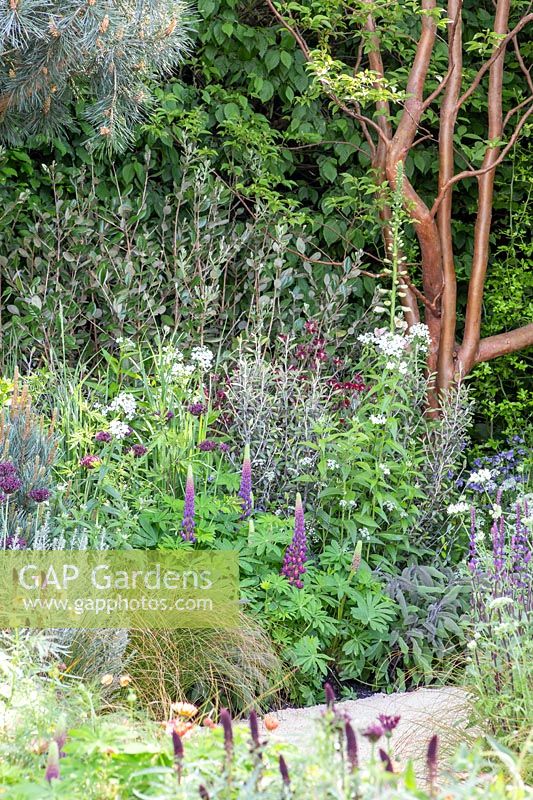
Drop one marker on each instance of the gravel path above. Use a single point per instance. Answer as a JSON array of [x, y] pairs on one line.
[[423, 712]]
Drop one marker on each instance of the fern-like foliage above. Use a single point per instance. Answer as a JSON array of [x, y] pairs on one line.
[[107, 52]]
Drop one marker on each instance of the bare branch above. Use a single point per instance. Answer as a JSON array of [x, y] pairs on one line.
[[525, 70], [488, 64], [475, 173], [504, 343]]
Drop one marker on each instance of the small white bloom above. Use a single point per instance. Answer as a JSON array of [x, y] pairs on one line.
[[203, 357], [472, 645], [385, 469], [124, 402], [496, 511], [378, 419], [458, 508], [332, 464], [481, 476], [118, 429], [343, 503]]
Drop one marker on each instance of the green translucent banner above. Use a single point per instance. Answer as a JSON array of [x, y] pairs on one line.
[[118, 589]]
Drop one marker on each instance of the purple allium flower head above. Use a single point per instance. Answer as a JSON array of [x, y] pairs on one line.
[[102, 436], [245, 490], [138, 450], [169, 415], [254, 729], [223, 447], [39, 495], [296, 553], [7, 469], [207, 445], [374, 732], [196, 409], [52, 764], [187, 523], [225, 721], [385, 758], [90, 461], [16, 543], [388, 723], [284, 771], [10, 484], [351, 746]]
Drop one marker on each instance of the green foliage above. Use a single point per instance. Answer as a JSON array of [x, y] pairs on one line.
[[121, 754]]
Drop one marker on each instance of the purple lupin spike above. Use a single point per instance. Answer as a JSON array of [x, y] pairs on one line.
[[187, 523], [296, 553], [52, 763], [245, 490]]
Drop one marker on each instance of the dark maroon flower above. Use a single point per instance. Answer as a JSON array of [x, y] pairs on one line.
[[310, 326], [169, 415], [385, 758], [202, 791], [254, 729], [374, 732], [196, 409], [431, 761], [284, 770], [207, 445], [90, 461], [102, 436], [138, 450], [225, 721], [351, 746], [330, 695], [388, 723], [39, 495]]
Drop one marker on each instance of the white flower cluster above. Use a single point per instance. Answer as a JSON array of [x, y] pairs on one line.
[[390, 344], [378, 419], [306, 461], [203, 357], [496, 511], [419, 333], [384, 469], [118, 429], [347, 504], [458, 508], [124, 403], [481, 476], [364, 534], [332, 464]]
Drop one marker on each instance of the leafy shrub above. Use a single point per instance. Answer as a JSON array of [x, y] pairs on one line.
[[427, 638]]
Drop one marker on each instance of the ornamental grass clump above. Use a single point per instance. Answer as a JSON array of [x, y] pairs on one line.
[[296, 553]]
